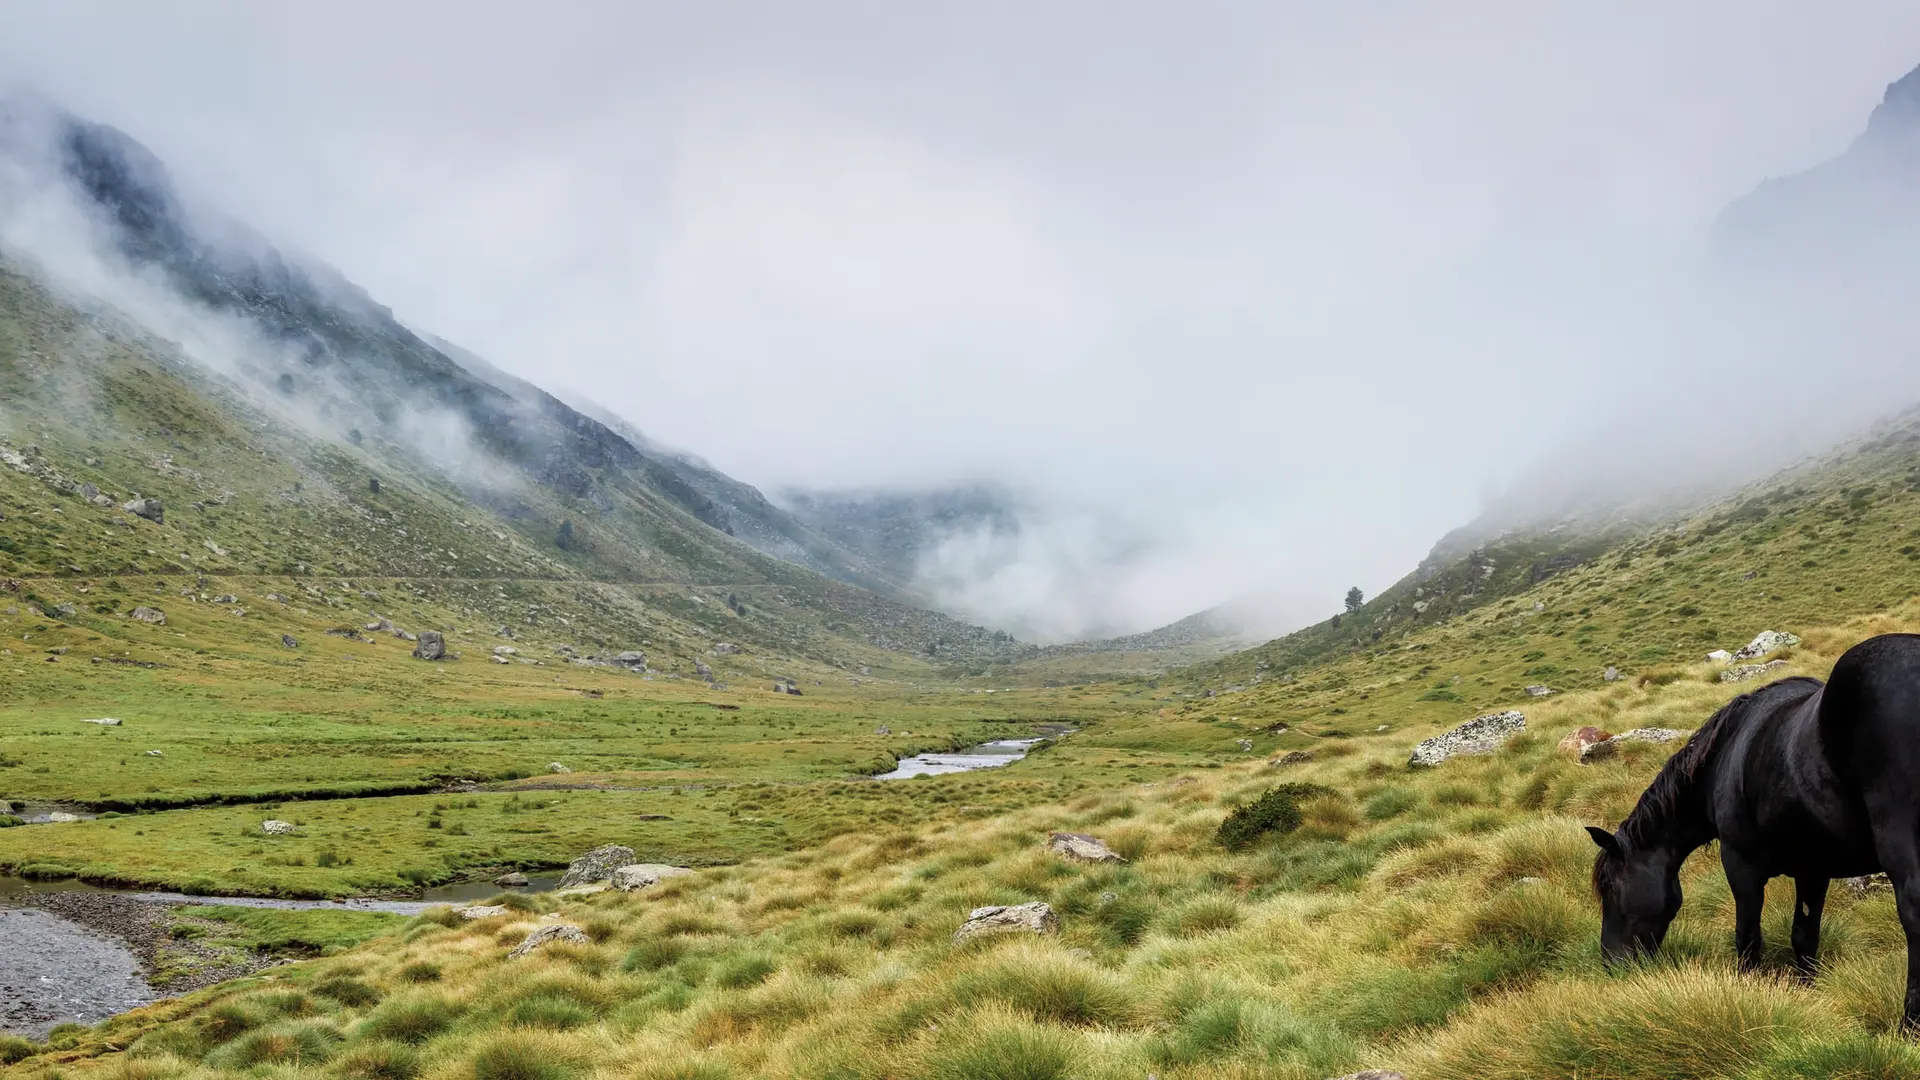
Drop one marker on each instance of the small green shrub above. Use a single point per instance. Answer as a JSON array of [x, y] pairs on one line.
[[1276, 812]]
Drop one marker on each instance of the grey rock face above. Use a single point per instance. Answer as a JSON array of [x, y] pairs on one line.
[[1083, 847], [1480, 735], [1033, 918], [147, 508], [547, 935], [596, 865], [641, 875], [632, 660], [431, 646], [149, 615], [1743, 672], [701, 670], [277, 828], [725, 649]]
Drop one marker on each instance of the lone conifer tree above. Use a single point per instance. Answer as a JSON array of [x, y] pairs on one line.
[[1355, 599]]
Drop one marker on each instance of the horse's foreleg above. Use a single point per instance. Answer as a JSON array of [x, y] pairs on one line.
[[1900, 858], [1749, 885], [1810, 896]]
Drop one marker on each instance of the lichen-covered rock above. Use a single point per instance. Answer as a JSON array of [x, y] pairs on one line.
[[1577, 741], [1743, 672], [642, 875], [1292, 757], [1083, 847], [556, 767], [1612, 674], [1867, 884], [431, 646], [547, 935], [632, 660], [149, 615], [1480, 735], [1766, 641], [277, 828], [1034, 918], [1539, 690], [288, 641], [596, 865], [1609, 747], [480, 911], [61, 817]]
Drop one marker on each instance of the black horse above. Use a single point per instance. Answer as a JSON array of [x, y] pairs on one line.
[[1797, 778]]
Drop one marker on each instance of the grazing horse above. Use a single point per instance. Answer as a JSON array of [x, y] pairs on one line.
[[1797, 778]]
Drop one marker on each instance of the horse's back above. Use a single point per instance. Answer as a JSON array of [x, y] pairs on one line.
[[1870, 712]]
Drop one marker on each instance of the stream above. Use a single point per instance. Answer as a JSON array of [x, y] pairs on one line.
[[987, 755], [58, 970]]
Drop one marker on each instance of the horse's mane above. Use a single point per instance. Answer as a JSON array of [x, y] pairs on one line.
[[1670, 790]]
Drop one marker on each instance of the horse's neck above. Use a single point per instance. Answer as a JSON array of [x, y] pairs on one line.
[[1681, 820]]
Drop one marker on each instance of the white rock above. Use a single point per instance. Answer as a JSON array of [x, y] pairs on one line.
[[1033, 918], [1743, 672], [1766, 641], [641, 875], [1609, 747], [61, 817], [1720, 656], [103, 721], [1539, 691], [276, 828], [1480, 735], [156, 753], [480, 911], [556, 767]]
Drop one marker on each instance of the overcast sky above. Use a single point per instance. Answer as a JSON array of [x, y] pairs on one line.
[[1292, 287]]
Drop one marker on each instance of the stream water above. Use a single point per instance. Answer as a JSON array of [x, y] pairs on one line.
[[987, 755]]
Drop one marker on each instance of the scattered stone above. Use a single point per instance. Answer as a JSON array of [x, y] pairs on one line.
[[505, 650], [289, 641], [62, 611], [1743, 672], [500, 659], [149, 615], [794, 690], [1083, 847], [1766, 641], [641, 875], [1868, 884], [1609, 747], [512, 879], [1612, 674], [1539, 691], [61, 817], [883, 730], [276, 598], [1373, 1074], [726, 649], [104, 721], [1577, 741], [596, 865], [403, 635], [277, 828], [556, 767], [1246, 745], [1033, 918], [146, 508], [432, 646], [1720, 656], [547, 935], [226, 598], [1292, 757], [156, 753], [701, 670], [380, 626], [1480, 735], [480, 911]]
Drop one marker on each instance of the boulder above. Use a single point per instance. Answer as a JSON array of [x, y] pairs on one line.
[[1292, 757], [1720, 656], [61, 817], [480, 911], [432, 646], [505, 650], [1083, 847], [725, 649], [1743, 672], [1480, 735], [883, 730], [556, 767], [403, 635], [701, 670], [1539, 691], [596, 865], [547, 935], [104, 721], [382, 626], [146, 508], [277, 828], [632, 660], [149, 615], [1612, 674], [1766, 641], [641, 875], [289, 641], [1577, 741], [1246, 745], [500, 659], [512, 879], [1609, 747], [1034, 918]]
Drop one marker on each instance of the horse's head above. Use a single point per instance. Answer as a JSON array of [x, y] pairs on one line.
[[1639, 890]]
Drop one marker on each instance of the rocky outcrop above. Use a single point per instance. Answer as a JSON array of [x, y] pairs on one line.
[[596, 865], [632, 660], [564, 933], [725, 648], [1767, 641], [1480, 735], [702, 671], [642, 875], [1577, 741], [1612, 674], [288, 641], [1083, 847], [277, 828], [1293, 757], [1610, 747], [431, 646], [1743, 672], [149, 615], [1538, 690], [1033, 918], [1720, 656], [146, 508]]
